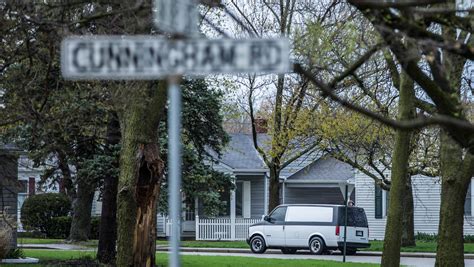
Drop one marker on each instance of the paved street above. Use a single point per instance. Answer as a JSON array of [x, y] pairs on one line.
[[406, 261]]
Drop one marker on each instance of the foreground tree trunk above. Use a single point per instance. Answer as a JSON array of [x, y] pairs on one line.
[[108, 222], [82, 206], [399, 177], [456, 174], [408, 220], [457, 167], [141, 171]]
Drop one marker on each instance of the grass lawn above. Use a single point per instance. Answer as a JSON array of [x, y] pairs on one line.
[[208, 244], [45, 241], [189, 260], [420, 247]]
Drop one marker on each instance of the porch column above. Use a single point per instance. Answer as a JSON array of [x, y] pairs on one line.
[[283, 193], [232, 215], [196, 216], [471, 185]]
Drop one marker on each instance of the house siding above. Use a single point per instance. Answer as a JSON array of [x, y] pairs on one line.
[[426, 198], [160, 225]]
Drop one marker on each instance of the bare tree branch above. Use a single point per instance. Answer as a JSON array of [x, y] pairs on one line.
[[419, 122]]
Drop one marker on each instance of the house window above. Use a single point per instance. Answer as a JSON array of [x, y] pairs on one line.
[[387, 201], [225, 196], [378, 202], [238, 199], [242, 199], [23, 186], [382, 201], [468, 202]]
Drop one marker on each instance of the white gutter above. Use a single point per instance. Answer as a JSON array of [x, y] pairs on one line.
[[250, 170], [314, 181]]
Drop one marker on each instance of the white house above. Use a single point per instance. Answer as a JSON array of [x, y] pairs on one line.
[[312, 179], [426, 198]]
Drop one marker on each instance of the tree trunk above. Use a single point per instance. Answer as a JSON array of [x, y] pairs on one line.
[[399, 177], [66, 184], [274, 189], [457, 168], [108, 222], [456, 174], [141, 171], [408, 221], [81, 206]]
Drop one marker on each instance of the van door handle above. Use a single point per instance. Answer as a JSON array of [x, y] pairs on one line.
[[283, 227]]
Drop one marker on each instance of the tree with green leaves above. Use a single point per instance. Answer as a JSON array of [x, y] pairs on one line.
[[402, 27], [34, 32]]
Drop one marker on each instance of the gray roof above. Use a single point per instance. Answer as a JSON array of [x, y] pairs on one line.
[[241, 154], [325, 168]]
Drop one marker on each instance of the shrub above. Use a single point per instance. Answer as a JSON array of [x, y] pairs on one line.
[[426, 237], [59, 227], [434, 237], [38, 211], [15, 254], [5, 241], [469, 239], [6, 233]]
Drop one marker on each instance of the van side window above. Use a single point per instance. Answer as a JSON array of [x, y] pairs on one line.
[[279, 214]]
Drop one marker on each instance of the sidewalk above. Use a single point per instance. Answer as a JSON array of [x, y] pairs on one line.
[[230, 250]]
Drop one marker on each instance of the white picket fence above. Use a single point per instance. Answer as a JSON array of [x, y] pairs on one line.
[[223, 228]]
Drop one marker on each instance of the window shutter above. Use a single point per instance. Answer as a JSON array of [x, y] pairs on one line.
[[468, 203], [387, 202], [378, 202]]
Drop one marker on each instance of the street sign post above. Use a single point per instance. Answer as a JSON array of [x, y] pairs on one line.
[[151, 58], [179, 17], [346, 189], [146, 57]]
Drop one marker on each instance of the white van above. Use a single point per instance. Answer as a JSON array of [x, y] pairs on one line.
[[315, 227]]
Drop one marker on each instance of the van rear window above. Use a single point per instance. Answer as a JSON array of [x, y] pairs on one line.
[[355, 217]]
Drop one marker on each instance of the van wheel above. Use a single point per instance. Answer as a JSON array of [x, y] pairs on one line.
[[288, 250], [316, 245], [257, 244]]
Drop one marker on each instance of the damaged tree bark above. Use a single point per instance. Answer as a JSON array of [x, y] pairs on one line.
[[141, 172]]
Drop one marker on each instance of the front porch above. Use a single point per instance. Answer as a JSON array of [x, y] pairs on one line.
[[246, 205], [223, 228]]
